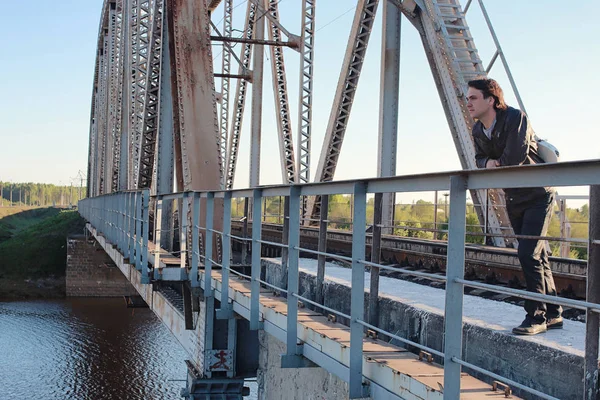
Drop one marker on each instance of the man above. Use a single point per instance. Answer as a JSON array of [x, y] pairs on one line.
[[503, 137]]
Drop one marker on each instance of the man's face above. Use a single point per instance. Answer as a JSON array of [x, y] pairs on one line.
[[477, 105]]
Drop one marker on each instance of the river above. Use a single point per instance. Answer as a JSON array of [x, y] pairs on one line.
[[87, 348]]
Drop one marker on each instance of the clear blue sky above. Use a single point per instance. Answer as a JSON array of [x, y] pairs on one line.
[[48, 52]]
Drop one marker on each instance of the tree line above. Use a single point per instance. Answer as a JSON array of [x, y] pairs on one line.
[[39, 194], [422, 219]]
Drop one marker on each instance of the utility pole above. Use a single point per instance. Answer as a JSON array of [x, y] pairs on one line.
[[1, 195], [20, 190], [11, 189]]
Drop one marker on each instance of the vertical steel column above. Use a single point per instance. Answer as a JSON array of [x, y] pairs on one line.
[[164, 154], [240, 97], [306, 90], [292, 271], [225, 310], [357, 297], [455, 269], [590, 377], [125, 128], [209, 329], [231, 341], [256, 246], [257, 93], [280, 94], [224, 117], [388, 104], [183, 225], [195, 239], [146, 220], [322, 247], [138, 231], [157, 230], [208, 255], [375, 258]]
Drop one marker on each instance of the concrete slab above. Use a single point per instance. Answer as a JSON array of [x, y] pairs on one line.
[[394, 368], [416, 312]]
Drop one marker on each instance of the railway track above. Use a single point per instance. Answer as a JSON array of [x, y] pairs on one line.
[[492, 265]]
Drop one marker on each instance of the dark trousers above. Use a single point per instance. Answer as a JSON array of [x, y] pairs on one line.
[[532, 218]]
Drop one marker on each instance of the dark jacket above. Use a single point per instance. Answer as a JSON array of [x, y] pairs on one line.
[[512, 143]]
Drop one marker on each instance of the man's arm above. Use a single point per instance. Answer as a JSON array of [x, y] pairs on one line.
[[481, 158], [517, 142]]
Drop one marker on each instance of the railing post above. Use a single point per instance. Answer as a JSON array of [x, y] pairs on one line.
[[121, 221], [105, 217], [210, 216], [157, 231], [357, 297], [195, 239], [285, 235], [245, 233], [145, 231], [110, 234], [138, 230], [183, 225], [592, 391], [292, 271], [225, 311], [131, 228], [322, 248], [115, 236], [454, 291], [255, 269], [375, 258]]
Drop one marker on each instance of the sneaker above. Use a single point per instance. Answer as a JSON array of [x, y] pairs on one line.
[[554, 323], [530, 327]]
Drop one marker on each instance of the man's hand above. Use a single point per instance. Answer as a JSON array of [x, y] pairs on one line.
[[492, 163]]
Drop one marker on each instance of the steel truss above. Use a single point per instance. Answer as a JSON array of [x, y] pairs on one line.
[[240, 98], [152, 101], [284, 127], [306, 89], [126, 105]]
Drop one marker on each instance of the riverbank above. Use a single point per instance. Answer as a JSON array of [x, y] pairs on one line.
[[33, 254], [24, 289]]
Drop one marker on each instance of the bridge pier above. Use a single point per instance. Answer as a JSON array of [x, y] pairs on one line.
[[91, 272], [275, 382]]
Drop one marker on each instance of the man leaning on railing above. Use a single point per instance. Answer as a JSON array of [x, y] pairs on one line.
[[503, 137]]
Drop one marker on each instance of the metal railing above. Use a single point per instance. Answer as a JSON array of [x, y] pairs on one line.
[[123, 219]]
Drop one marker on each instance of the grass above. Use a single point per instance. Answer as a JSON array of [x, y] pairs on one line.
[[38, 245], [16, 219]]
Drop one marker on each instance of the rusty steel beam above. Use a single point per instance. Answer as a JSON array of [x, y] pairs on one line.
[[194, 110], [290, 44], [234, 76]]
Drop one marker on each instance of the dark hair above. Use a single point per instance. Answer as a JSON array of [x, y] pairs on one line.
[[490, 87]]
